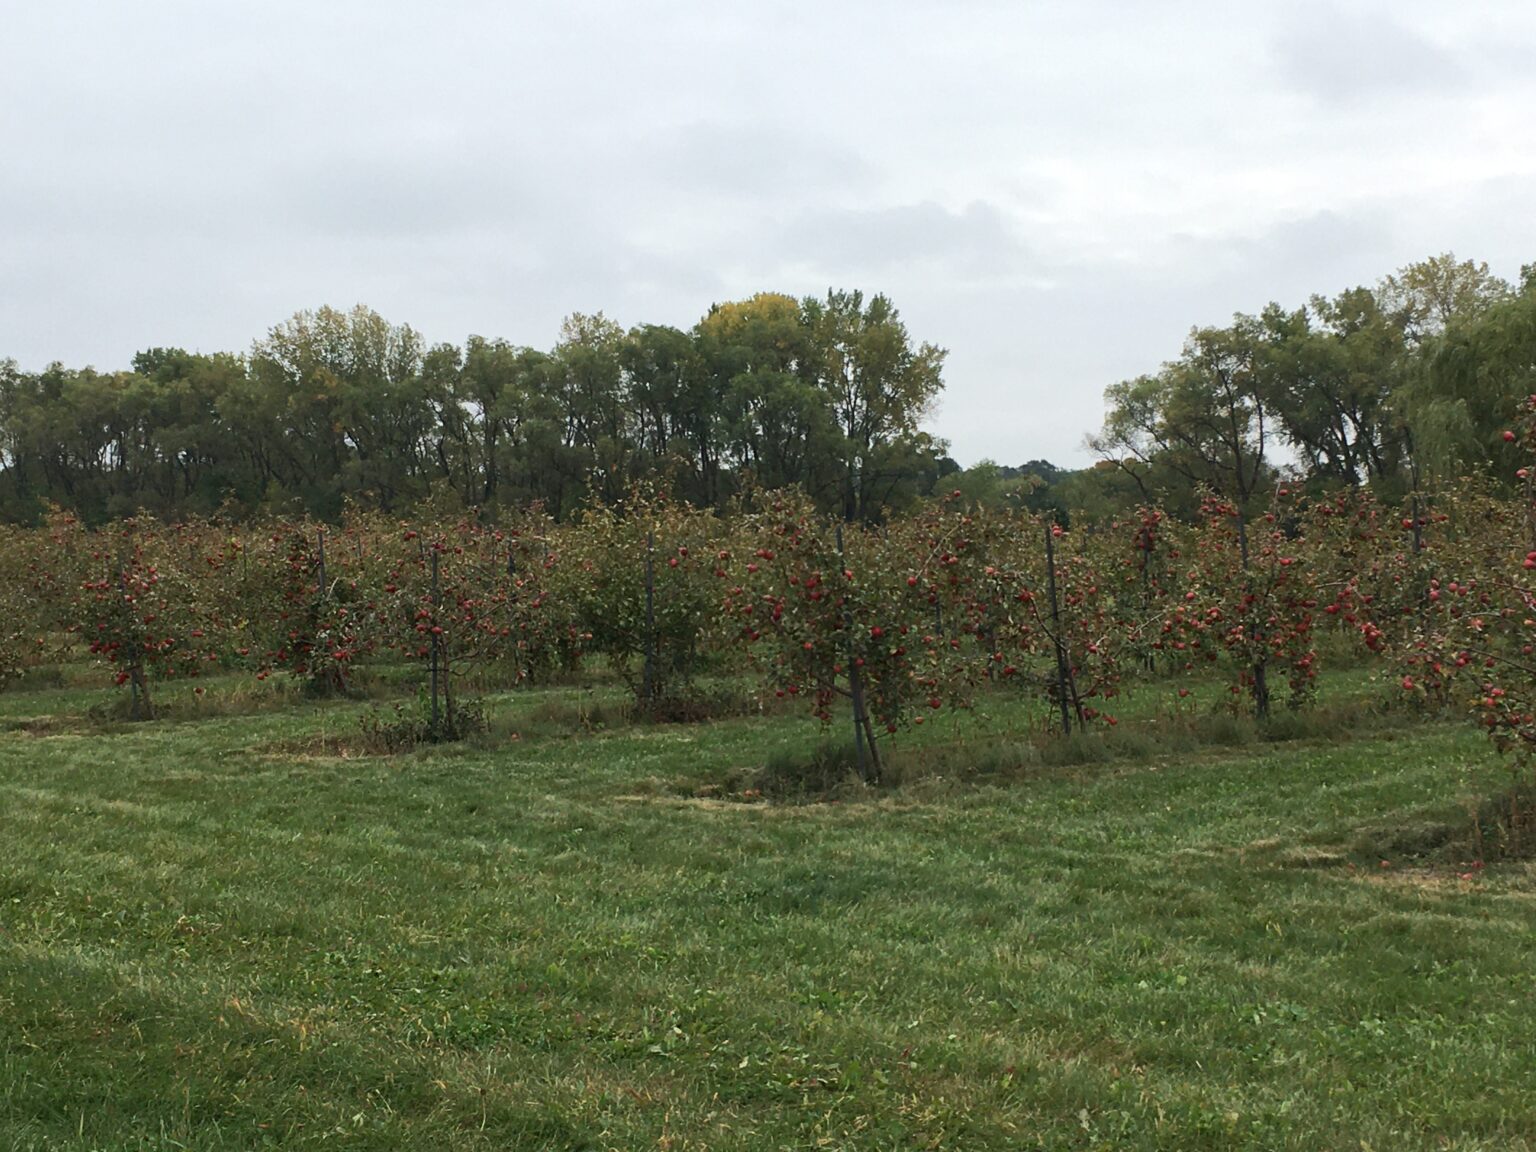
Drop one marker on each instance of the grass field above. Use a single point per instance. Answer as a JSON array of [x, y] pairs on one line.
[[233, 932]]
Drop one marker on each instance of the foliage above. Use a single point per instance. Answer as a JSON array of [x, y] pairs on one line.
[[1388, 386], [641, 583], [407, 726], [335, 409]]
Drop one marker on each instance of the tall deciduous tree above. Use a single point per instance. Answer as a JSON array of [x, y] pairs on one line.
[[588, 385], [675, 411], [347, 405], [879, 387], [1470, 386], [1203, 421], [495, 405], [1328, 374], [774, 424], [1429, 296]]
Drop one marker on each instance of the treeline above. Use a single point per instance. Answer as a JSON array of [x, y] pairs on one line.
[[334, 407], [1391, 387], [1409, 382]]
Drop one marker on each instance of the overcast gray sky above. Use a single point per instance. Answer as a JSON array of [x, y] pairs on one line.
[[1056, 192]]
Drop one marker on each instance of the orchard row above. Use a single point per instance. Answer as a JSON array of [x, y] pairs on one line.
[[886, 623]]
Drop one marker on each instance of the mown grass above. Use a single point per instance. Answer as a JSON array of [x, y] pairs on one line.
[[230, 930]]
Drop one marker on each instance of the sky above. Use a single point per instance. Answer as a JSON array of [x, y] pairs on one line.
[[1054, 192]]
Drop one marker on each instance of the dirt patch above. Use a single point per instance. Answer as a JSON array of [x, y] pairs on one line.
[[330, 746], [1307, 856], [40, 726], [703, 803], [1419, 878]]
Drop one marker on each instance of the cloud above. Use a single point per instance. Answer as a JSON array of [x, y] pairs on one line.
[[1337, 55], [975, 243], [754, 161], [1287, 260], [1055, 193]]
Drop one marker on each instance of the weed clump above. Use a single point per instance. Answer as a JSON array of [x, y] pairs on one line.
[[1504, 824], [794, 774], [695, 706], [408, 726]]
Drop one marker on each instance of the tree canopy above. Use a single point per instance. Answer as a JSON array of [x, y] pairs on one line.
[[1392, 386], [1384, 386], [331, 407]]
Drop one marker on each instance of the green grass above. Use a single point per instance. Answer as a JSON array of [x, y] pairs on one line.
[[216, 933]]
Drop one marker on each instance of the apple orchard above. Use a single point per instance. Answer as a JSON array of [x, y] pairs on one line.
[[876, 628]]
